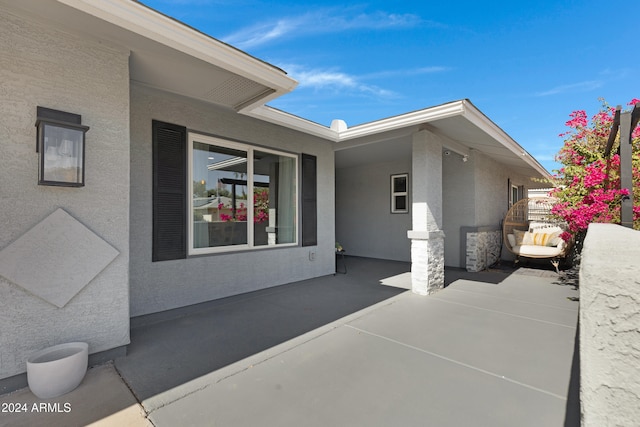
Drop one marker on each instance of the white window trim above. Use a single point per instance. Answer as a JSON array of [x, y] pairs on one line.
[[249, 149], [399, 193]]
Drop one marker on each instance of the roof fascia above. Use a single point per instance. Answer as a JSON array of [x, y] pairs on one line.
[[475, 116], [410, 119], [140, 19], [279, 117]]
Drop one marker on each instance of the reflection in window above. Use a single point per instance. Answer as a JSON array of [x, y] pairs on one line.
[[63, 159], [241, 196], [274, 198]]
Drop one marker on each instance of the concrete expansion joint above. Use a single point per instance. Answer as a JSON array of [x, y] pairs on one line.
[[521, 301], [133, 393], [504, 313], [459, 363]]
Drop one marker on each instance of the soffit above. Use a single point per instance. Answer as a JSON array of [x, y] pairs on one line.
[[458, 132], [158, 65], [462, 130]]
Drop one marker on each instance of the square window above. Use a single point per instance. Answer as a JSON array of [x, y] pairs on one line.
[[400, 193], [400, 184]]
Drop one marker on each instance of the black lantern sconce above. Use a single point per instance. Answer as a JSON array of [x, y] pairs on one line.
[[61, 147]]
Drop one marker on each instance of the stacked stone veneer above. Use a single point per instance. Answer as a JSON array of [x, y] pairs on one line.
[[610, 326], [483, 249], [427, 261]]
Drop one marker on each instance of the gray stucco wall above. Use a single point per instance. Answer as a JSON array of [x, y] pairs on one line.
[[365, 225], [458, 204], [43, 66], [158, 286], [492, 192], [475, 194], [610, 326]]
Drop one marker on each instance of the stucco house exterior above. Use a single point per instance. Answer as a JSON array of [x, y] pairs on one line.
[[195, 189]]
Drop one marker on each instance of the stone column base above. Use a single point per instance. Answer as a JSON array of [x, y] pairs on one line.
[[427, 261], [483, 249]]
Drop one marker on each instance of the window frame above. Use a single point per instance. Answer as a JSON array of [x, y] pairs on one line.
[[394, 194], [516, 193], [249, 149]]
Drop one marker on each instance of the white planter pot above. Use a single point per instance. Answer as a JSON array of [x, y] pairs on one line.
[[57, 370]]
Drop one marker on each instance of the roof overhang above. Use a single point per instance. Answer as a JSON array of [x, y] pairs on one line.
[[461, 126], [167, 54]]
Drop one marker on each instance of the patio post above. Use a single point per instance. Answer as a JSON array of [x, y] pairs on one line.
[[427, 237]]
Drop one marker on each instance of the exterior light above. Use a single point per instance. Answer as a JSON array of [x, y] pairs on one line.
[[60, 142]]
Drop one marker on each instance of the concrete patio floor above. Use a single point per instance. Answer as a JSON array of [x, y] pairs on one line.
[[492, 349]]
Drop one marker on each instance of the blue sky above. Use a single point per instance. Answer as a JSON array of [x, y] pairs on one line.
[[526, 65]]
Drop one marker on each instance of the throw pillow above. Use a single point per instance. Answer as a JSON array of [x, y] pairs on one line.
[[545, 239], [520, 235]]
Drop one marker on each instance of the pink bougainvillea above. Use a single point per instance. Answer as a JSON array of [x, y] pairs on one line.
[[588, 184], [260, 208]]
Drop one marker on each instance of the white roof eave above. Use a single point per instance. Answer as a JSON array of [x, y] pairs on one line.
[[282, 118], [405, 120], [142, 20], [146, 22], [480, 120]]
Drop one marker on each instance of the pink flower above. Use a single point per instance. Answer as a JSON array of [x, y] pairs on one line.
[[579, 119]]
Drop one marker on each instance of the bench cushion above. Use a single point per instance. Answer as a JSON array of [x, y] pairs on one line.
[[537, 251]]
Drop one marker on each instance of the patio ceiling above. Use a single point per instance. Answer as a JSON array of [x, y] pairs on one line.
[[166, 54]]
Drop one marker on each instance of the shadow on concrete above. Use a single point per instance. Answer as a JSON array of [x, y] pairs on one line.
[[570, 277], [492, 275], [174, 347], [170, 348], [573, 412]]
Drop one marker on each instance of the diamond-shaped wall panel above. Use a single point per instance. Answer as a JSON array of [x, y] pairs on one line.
[[56, 259]]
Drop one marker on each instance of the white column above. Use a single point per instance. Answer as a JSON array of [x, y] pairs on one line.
[[427, 237]]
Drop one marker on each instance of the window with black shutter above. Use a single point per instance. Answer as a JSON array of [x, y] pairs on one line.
[[309, 200], [169, 191]]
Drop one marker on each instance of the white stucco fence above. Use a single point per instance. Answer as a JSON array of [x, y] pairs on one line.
[[610, 326]]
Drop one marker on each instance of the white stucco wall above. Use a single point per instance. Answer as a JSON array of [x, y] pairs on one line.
[[158, 286], [492, 192], [458, 204], [365, 225], [43, 66], [610, 326]]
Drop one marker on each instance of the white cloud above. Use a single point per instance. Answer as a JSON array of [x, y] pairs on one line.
[[333, 80], [261, 34], [585, 86], [321, 21]]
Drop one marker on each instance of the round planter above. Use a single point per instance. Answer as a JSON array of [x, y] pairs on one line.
[[57, 370]]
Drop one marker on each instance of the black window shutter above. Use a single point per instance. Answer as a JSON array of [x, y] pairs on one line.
[[309, 200], [169, 191]]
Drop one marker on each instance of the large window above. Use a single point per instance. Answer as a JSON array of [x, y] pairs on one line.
[[241, 196]]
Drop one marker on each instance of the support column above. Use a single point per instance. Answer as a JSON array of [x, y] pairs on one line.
[[427, 237], [626, 169]]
